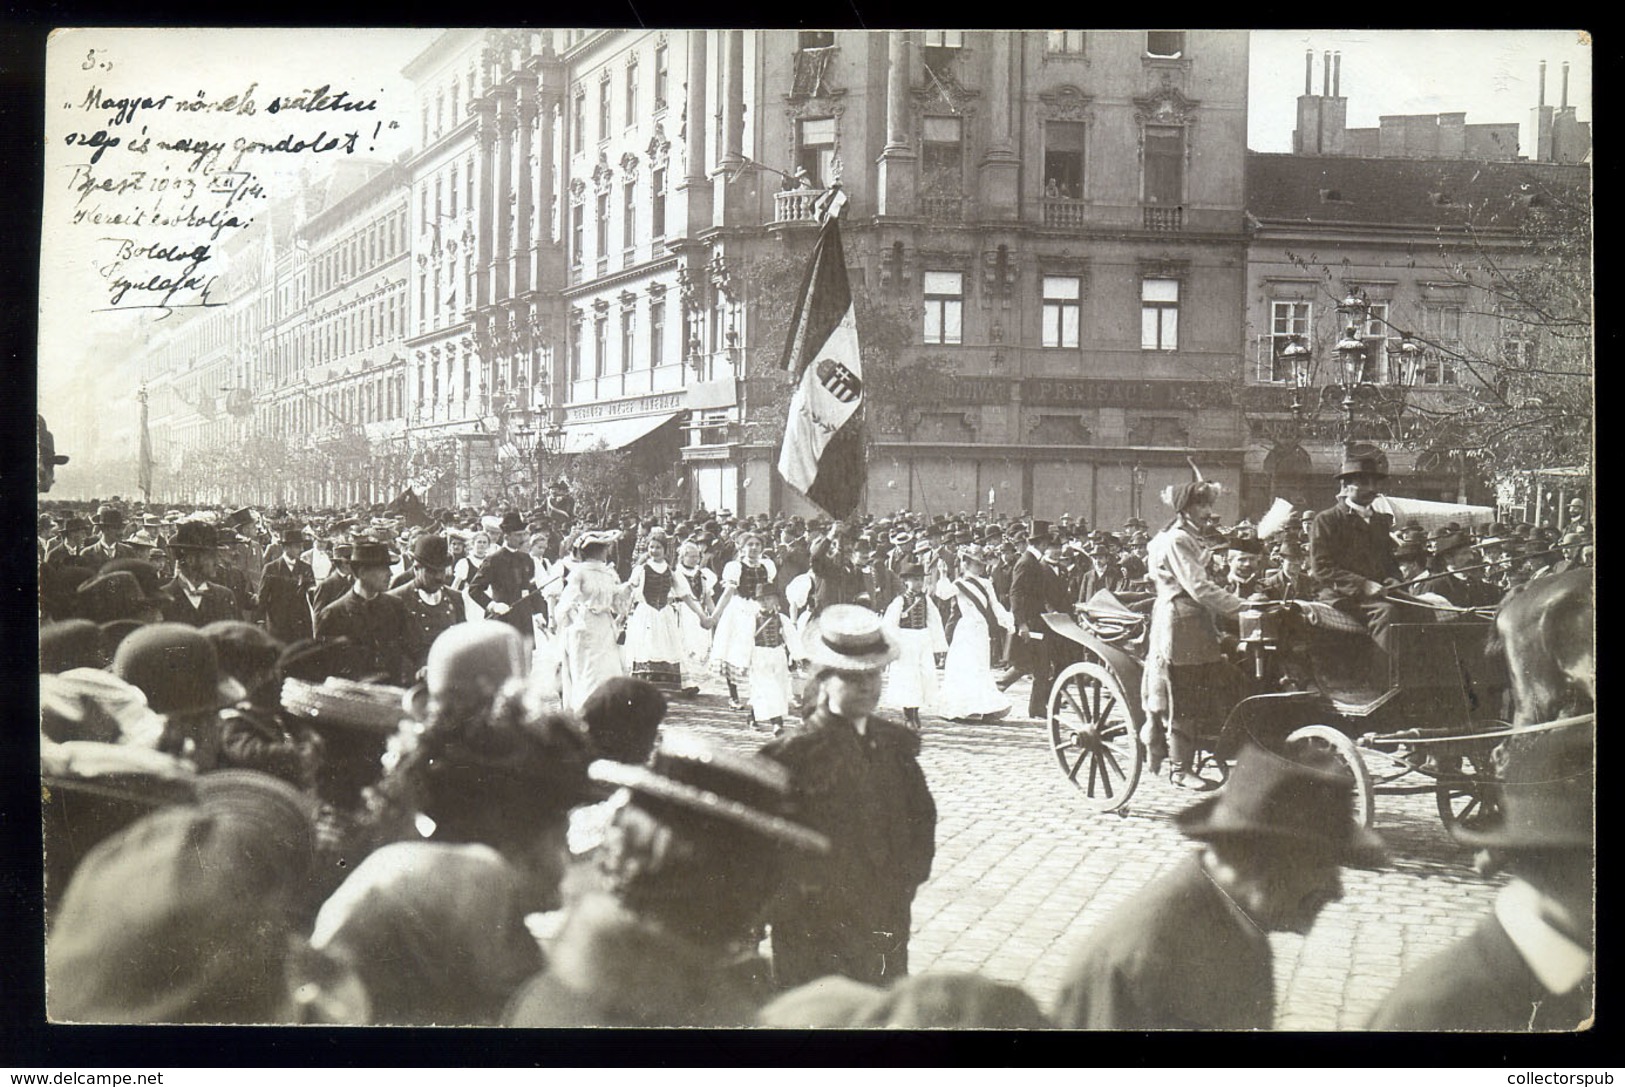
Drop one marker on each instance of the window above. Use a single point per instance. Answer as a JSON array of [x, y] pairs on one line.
[[468, 277], [632, 92], [662, 75], [439, 114], [943, 39], [578, 219], [578, 121], [944, 307], [603, 225], [1441, 324], [629, 217], [455, 114], [815, 151], [657, 332], [600, 339], [1064, 41], [1164, 164], [1159, 314], [1287, 319], [657, 216], [439, 198], [1375, 337], [1518, 341], [942, 153], [603, 108], [815, 39], [1165, 43], [453, 209], [1063, 160], [575, 350], [627, 346], [468, 194], [1061, 310], [425, 123]]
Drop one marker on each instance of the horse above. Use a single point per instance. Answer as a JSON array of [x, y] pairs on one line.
[[1545, 633]]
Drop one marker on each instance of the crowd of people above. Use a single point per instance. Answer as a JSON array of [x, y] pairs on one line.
[[406, 765]]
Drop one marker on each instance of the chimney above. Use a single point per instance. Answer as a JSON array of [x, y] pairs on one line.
[[1542, 83], [1565, 84], [1308, 71], [1326, 75], [1337, 74]]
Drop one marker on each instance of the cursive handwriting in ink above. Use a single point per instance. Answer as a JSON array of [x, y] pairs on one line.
[[316, 100]]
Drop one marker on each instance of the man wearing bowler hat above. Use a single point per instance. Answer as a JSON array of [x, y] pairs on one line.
[[1351, 546], [1192, 951], [195, 598], [1528, 966], [431, 607], [109, 525], [285, 582], [505, 584], [373, 622]]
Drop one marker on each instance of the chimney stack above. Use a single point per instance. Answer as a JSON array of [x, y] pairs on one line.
[[1308, 71], [1565, 84], [1542, 83], [1337, 74], [1326, 75]]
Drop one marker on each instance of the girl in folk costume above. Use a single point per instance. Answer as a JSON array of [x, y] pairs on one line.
[[734, 638], [776, 644], [588, 609], [1185, 678], [968, 686], [699, 587], [911, 680], [654, 635]]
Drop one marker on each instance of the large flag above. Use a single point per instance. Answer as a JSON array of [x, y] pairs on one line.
[[822, 456], [144, 464]]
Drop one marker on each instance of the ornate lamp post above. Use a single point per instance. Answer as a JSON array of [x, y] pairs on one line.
[[1353, 356]]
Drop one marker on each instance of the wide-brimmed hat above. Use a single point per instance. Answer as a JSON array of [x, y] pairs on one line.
[[468, 661], [1364, 460], [111, 596], [290, 533], [745, 791], [1412, 549], [371, 553], [598, 536], [901, 537], [195, 536], [175, 666], [1303, 800], [1548, 787], [432, 551], [511, 522], [345, 704], [1445, 539], [110, 516], [849, 638]]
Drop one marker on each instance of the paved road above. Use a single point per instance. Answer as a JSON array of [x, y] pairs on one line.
[[1023, 871]]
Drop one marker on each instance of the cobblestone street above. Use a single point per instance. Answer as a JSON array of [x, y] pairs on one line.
[[1024, 871]]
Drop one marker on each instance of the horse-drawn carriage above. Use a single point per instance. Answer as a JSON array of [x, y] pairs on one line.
[[1422, 719]]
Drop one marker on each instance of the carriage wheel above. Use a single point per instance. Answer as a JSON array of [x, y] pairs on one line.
[[1470, 800], [1093, 736], [1330, 740]]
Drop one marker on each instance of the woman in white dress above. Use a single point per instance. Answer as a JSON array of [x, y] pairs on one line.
[[734, 638], [589, 607], [968, 687], [654, 635], [694, 623]]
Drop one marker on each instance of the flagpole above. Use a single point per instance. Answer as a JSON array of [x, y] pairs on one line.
[[144, 454]]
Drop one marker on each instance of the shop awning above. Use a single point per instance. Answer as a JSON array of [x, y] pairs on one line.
[[612, 433]]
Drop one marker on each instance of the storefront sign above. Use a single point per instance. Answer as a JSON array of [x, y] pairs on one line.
[[975, 390], [614, 409], [1051, 392]]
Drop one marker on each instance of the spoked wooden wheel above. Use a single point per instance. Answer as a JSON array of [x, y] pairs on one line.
[[1469, 798], [1093, 736], [1342, 748]]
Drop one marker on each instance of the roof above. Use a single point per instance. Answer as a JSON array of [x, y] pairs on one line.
[[1404, 192]]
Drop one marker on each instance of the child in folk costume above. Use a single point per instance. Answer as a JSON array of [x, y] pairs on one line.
[[694, 622], [734, 638], [588, 609], [969, 689], [654, 635], [777, 643], [911, 680]]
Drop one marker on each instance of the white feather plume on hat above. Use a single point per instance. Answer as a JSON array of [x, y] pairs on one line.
[[1275, 519]]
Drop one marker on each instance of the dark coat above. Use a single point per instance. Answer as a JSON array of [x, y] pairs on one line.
[[508, 577], [848, 912], [609, 968], [1482, 983], [426, 622], [218, 604], [1345, 551], [332, 587], [283, 604], [378, 634], [1178, 955], [792, 562], [1034, 590]]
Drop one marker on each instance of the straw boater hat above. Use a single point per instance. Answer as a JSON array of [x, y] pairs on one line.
[[745, 791], [849, 638], [598, 536]]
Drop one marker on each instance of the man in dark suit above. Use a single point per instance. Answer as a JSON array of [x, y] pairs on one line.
[[1036, 586], [285, 581], [1351, 546], [505, 585], [337, 583], [431, 608], [109, 544], [1528, 966], [195, 598], [373, 623], [1191, 951]]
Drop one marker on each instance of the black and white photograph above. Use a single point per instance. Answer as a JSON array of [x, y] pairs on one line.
[[799, 529]]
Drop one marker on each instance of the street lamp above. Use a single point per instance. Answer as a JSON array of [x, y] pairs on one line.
[[1353, 355]]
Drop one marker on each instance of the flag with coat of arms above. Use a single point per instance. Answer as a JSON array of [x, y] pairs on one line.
[[822, 456]]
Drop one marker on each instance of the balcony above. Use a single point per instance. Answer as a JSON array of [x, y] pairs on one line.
[[1063, 214], [797, 205], [1164, 219]]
